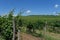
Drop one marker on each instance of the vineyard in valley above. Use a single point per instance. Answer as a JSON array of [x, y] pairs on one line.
[[38, 26]]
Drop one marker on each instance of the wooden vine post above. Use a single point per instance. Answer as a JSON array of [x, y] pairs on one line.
[[14, 30], [45, 30], [18, 34]]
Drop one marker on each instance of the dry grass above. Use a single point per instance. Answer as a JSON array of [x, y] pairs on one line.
[[54, 35]]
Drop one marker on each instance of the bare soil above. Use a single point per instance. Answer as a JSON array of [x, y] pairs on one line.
[[25, 36]]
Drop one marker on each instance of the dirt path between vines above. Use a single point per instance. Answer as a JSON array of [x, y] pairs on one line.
[[25, 36]]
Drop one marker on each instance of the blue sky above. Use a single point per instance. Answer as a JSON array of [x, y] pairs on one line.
[[35, 7]]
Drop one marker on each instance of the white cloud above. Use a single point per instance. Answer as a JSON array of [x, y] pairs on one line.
[[56, 6], [28, 11]]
